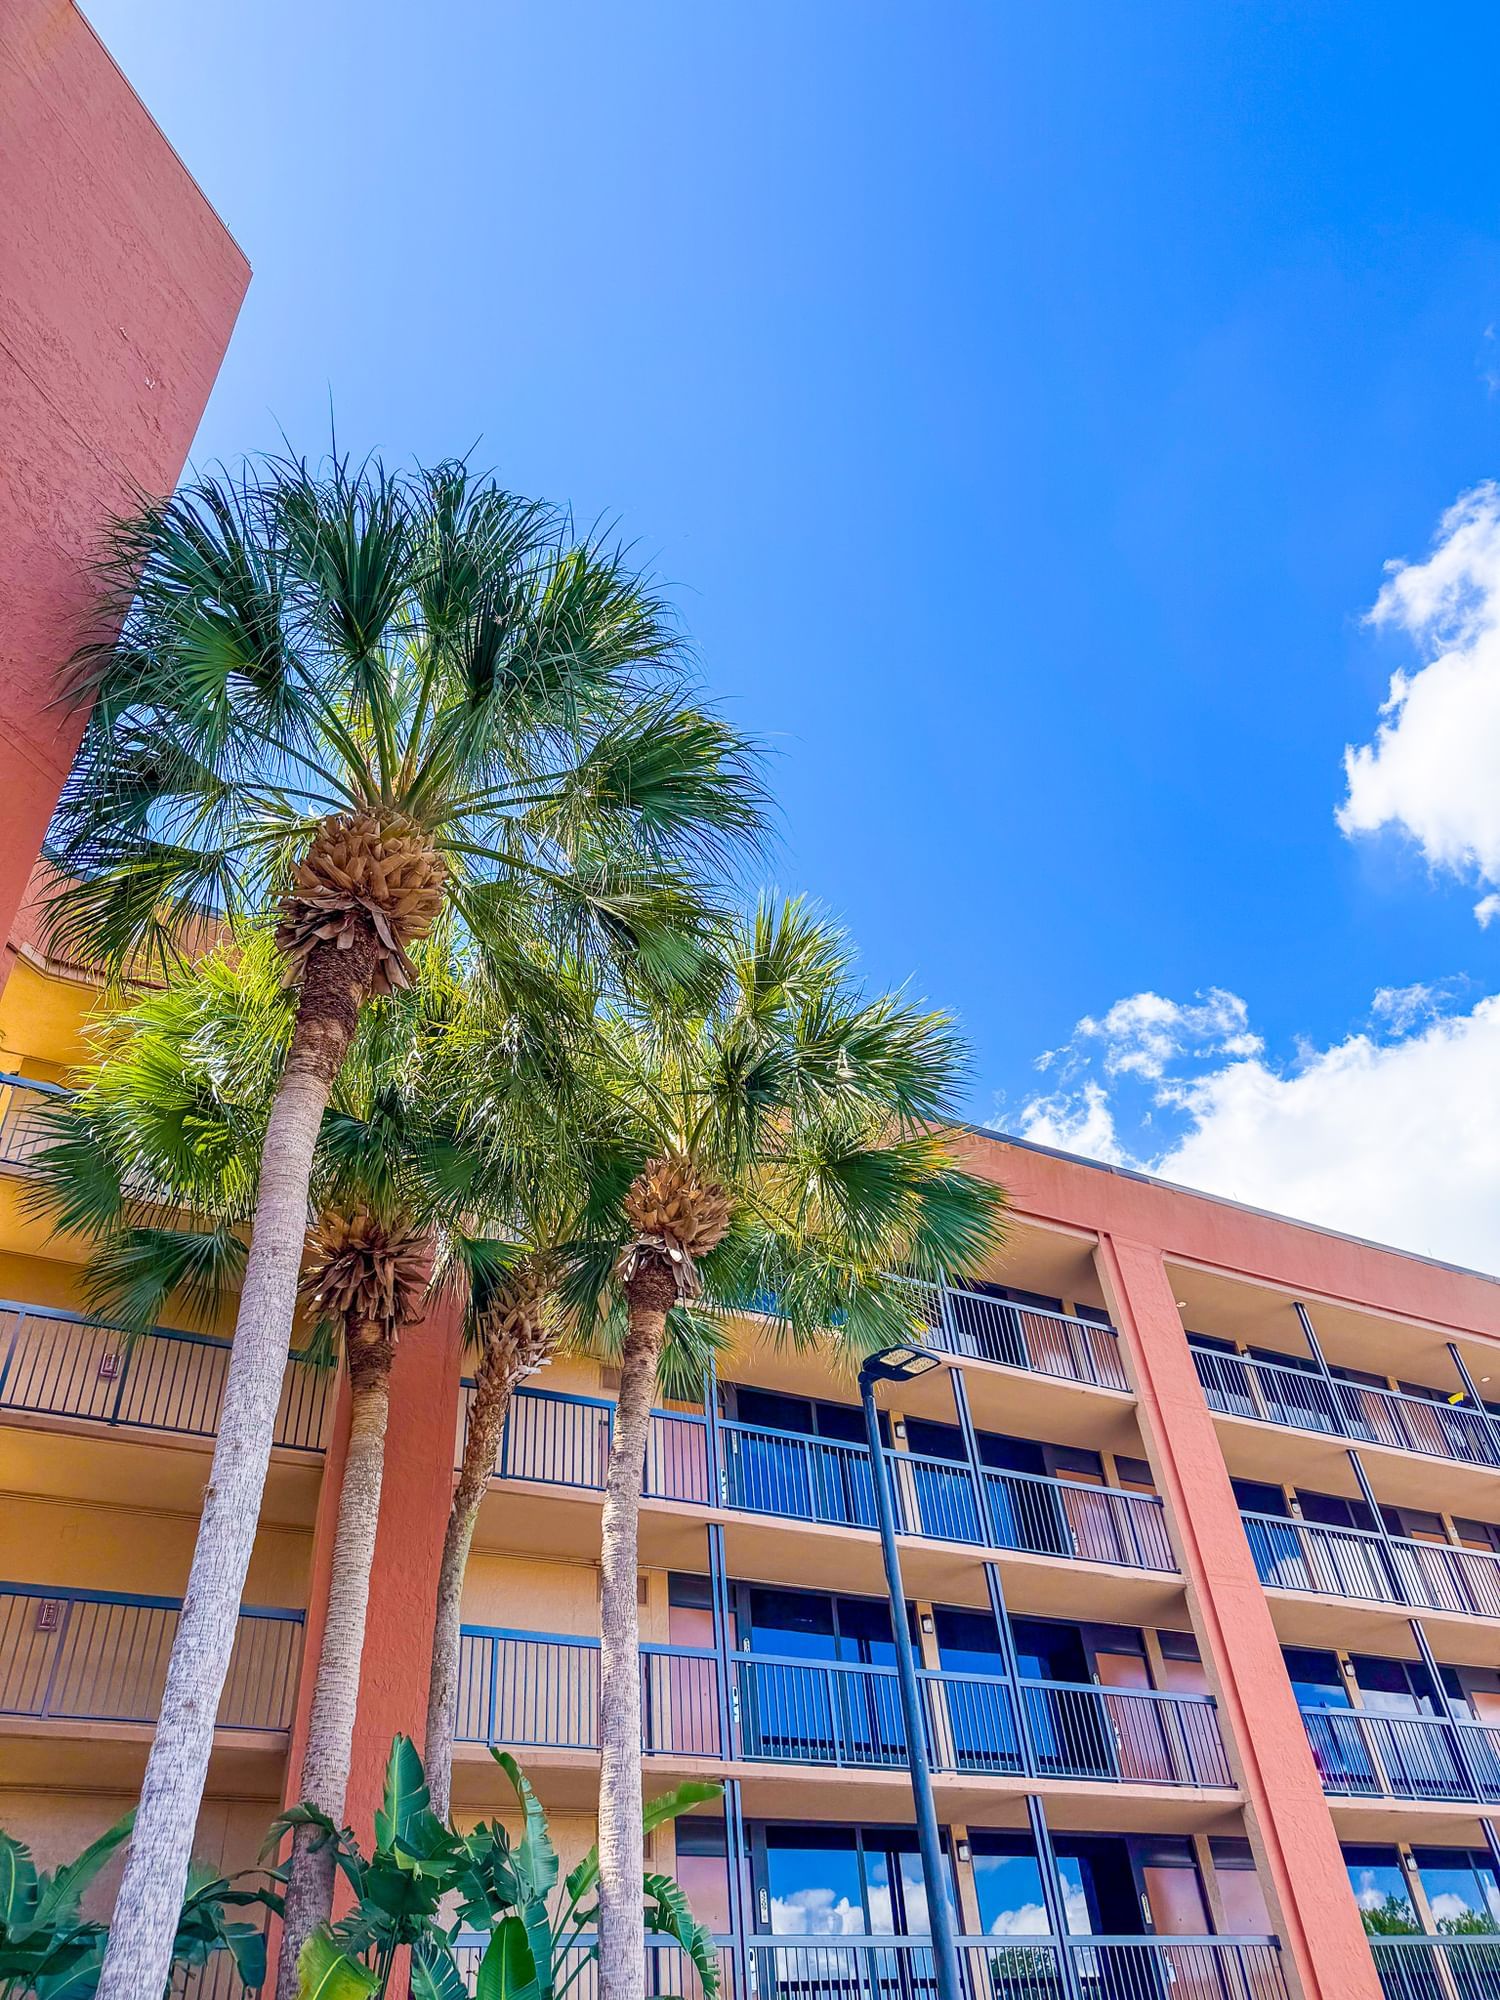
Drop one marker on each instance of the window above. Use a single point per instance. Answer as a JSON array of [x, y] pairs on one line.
[[1315, 1677], [1008, 1885], [703, 1869], [1461, 1890], [839, 1881], [1240, 1893], [1379, 1885]]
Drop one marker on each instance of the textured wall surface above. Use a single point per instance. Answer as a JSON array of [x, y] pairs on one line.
[[119, 287]]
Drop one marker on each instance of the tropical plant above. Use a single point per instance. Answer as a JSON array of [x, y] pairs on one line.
[[366, 698], [153, 1158], [781, 1146], [49, 1950], [536, 1938]]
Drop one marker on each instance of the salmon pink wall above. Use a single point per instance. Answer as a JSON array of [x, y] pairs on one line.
[[119, 287]]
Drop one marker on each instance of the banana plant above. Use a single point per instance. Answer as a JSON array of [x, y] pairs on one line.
[[49, 1950], [537, 1942]]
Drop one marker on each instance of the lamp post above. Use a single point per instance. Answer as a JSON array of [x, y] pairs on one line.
[[904, 1364]]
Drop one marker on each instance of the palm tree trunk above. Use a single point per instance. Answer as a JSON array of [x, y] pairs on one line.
[[486, 1426], [330, 1730], [139, 1954], [650, 1295]]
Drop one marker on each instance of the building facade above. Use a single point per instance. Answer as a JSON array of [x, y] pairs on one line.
[[1201, 1550]]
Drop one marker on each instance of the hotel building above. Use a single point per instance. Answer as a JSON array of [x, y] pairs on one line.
[[1200, 1533]]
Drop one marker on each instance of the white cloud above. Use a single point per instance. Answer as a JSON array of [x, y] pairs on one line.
[[1142, 1034], [1393, 1139], [1486, 910], [1430, 770]]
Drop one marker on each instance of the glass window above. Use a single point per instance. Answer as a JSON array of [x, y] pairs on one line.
[[1391, 1687], [968, 1642], [903, 1914], [1315, 1677], [813, 1886], [797, 1624], [1008, 1885], [1461, 1889], [1379, 1886]]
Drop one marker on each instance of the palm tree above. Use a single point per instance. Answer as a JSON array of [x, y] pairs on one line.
[[376, 697], [780, 1146], [154, 1160]]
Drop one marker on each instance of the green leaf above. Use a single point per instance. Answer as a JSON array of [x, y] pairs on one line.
[[667, 1911], [508, 1970], [17, 1884], [535, 1858], [78, 1978], [324, 1972], [655, 1813], [59, 1897], [406, 1793], [434, 1975]]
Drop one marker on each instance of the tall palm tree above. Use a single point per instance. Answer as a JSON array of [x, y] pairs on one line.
[[375, 697], [154, 1160], [780, 1145]]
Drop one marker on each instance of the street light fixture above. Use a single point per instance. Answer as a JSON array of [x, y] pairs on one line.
[[905, 1364]]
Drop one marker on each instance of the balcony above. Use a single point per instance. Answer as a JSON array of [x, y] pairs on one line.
[[1366, 1567], [100, 1656], [1026, 1966], [58, 1364], [564, 1440], [1438, 1968], [524, 1690], [1238, 1385], [976, 1327], [1429, 1757], [23, 1100]]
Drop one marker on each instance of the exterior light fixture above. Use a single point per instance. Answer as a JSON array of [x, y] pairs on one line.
[[926, 1621], [900, 1364], [965, 1852]]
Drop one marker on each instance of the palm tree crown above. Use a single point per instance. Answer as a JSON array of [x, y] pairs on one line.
[[381, 692]]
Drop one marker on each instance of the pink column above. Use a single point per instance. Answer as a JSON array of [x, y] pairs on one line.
[[119, 287], [1290, 1826]]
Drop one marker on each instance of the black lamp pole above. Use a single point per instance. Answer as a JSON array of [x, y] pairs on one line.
[[885, 1368]]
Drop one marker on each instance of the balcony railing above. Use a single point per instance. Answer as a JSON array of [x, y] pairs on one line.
[[1358, 1563], [101, 1656], [1438, 1968], [1020, 1966], [57, 1364], [977, 1327], [563, 1440], [1365, 1756], [22, 1128], [1238, 1385], [528, 1690]]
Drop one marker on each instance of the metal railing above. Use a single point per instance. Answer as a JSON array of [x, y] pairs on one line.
[[976, 1327], [1438, 1968], [1019, 1967], [1063, 1517], [669, 1970], [1363, 1755], [1239, 1385], [1360, 1755], [58, 1364], [22, 1128], [558, 1439], [101, 1656], [1358, 1563], [530, 1689]]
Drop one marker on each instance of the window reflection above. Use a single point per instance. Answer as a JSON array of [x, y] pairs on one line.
[[1461, 1890], [1380, 1890]]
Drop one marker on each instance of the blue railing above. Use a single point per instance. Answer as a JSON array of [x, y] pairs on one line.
[[530, 1689], [1238, 1385], [533, 1689], [22, 1128], [101, 1656], [1357, 1563], [563, 1440], [976, 1327], [1365, 1756], [58, 1364], [1438, 1968]]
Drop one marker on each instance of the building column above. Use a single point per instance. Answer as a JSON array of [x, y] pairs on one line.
[[118, 289], [1287, 1815], [416, 1495]]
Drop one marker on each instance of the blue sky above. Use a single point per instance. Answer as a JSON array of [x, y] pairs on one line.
[[1026, 402]]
